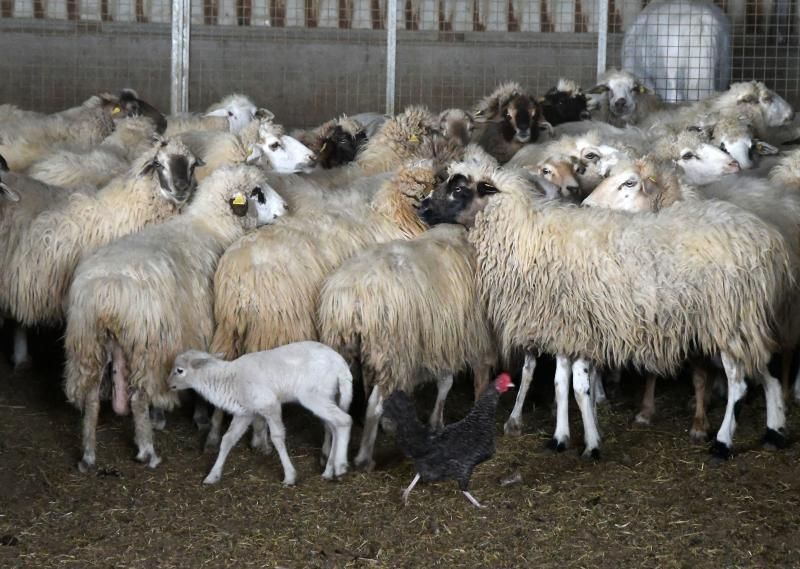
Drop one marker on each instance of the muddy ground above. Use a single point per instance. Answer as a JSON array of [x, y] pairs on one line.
[[653, 500]]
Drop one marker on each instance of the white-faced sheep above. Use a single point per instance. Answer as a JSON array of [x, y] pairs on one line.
[[141, 300], [157, 186], [681, 49], [621, 99], [308, 373], [626, 288], [232, 113], [97, 166], [507, 119]]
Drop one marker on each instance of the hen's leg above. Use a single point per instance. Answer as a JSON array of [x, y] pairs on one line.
[[408, 490], [472, 499]]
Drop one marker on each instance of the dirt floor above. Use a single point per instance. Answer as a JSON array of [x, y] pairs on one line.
[[653, 500]]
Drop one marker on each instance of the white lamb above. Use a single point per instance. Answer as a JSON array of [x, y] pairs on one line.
[[257, 384]]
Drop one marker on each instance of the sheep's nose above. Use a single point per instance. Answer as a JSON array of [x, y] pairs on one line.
[[580, 169], [619, 104], [573, 189], [734, 166]]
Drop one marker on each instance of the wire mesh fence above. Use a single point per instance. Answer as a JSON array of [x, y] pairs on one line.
[[308, 60]]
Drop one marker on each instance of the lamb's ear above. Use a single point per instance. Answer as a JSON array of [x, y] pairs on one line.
[[485, 189], [8, 193], [200, 363], [598, 90], [238, 205], [546, 126], [217, 113], [764, 148]]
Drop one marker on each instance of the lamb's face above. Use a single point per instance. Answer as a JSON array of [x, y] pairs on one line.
[[521, 117], [456, 124], [239, 111], [174, 164], [703, 163], [180, 377], [456, 200], [625, 190], [776, 110], [620, 91], [286, 155], [559, 170], [560, 106]]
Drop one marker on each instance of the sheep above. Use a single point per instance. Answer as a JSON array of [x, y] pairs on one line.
[[565, 102], [681, 49], [303, 249], [97, 166], [700, 162], [232, 113], [335, 142], [144, 298], [456, 124], [507, 119], [407, 310], [308, 373], [370, 122], [623, 100], [157, 186], [614, 288]]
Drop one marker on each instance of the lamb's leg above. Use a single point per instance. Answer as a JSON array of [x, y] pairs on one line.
[[776, 413], [260, 438], [370, 432], [443, 385], [325, 454], [648, 409], [737, 387], [212, 440], [698, 433], [560, 440], [408, 490], [340, 422], [513, 426], [278, 434], [237, 428], [21, 357], [91, 410], [581, 387], [144, 430]]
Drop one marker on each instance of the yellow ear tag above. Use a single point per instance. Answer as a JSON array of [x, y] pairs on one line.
[[116, 110], [324, 146], [652, 179], [413, 138], [239, 200]]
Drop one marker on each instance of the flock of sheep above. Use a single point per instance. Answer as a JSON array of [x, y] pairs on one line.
[[416, 246]]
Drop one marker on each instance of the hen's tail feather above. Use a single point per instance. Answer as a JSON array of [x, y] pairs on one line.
[[412, 435]]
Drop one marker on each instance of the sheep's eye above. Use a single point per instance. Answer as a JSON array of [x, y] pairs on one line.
[[230, 113], [459, 190], [274, 146], [767, 99], [629, 183], [723, 147], [591, 156], [546, 171], [180, 370], [157, 164], [687, 156]]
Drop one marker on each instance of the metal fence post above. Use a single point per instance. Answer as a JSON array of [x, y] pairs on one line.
[[181, 23], [391, 55], [602, 37]]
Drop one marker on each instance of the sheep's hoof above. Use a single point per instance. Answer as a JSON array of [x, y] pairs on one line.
[[211, 445], [698, 436], [212, 478], [774, 440], [558, 446], [367, 465], [323, 459], [340, 470], [641, 419], [721, 451], [202, 423], [513, 428], [23, 364], [85, 466], [157, 418], [150, 457], [289, 481], [592, 455], [327, 476]]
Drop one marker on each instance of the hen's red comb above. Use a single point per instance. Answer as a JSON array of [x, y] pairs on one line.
[[503, 382]]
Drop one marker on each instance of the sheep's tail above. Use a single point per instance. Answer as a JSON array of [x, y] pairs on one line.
[[345, 390]]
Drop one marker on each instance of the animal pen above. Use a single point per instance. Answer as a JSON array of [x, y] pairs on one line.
[[308, 60]]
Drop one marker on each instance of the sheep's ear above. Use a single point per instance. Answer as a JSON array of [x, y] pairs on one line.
[[546, 126], [199, 163], [748, 99], [765, 149], [639, 88], [650, 185], [263, 114], [238, 205], [149, 167], [200, 363], [598, 90], [217, 113], [485, 189], [8, 193]]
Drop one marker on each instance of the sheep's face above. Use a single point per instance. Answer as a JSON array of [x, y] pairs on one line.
[[456, 124], [252, 200], [174, 164], [521, 117], [180, 377], [703, 163], [239, 111], [560, 106], [286, 155], [559, 170], [626, 190], [340, 147], [456, 200], [743, 148], [594, 163], [620, 92]]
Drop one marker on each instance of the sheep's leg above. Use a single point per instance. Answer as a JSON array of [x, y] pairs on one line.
[[91, 410], [212, 440], [157, 418], [443, 385], [370, 432], [698, 433], [278, 434], [260, 439], [144, 430], [340, 422], [325, 454], [648, 409], [737, 387], [786, 370], [776, 413], [560, 440], [21, 357], [237, 428], [581, 386], [200, 415], [513, 426], [598, 389]]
